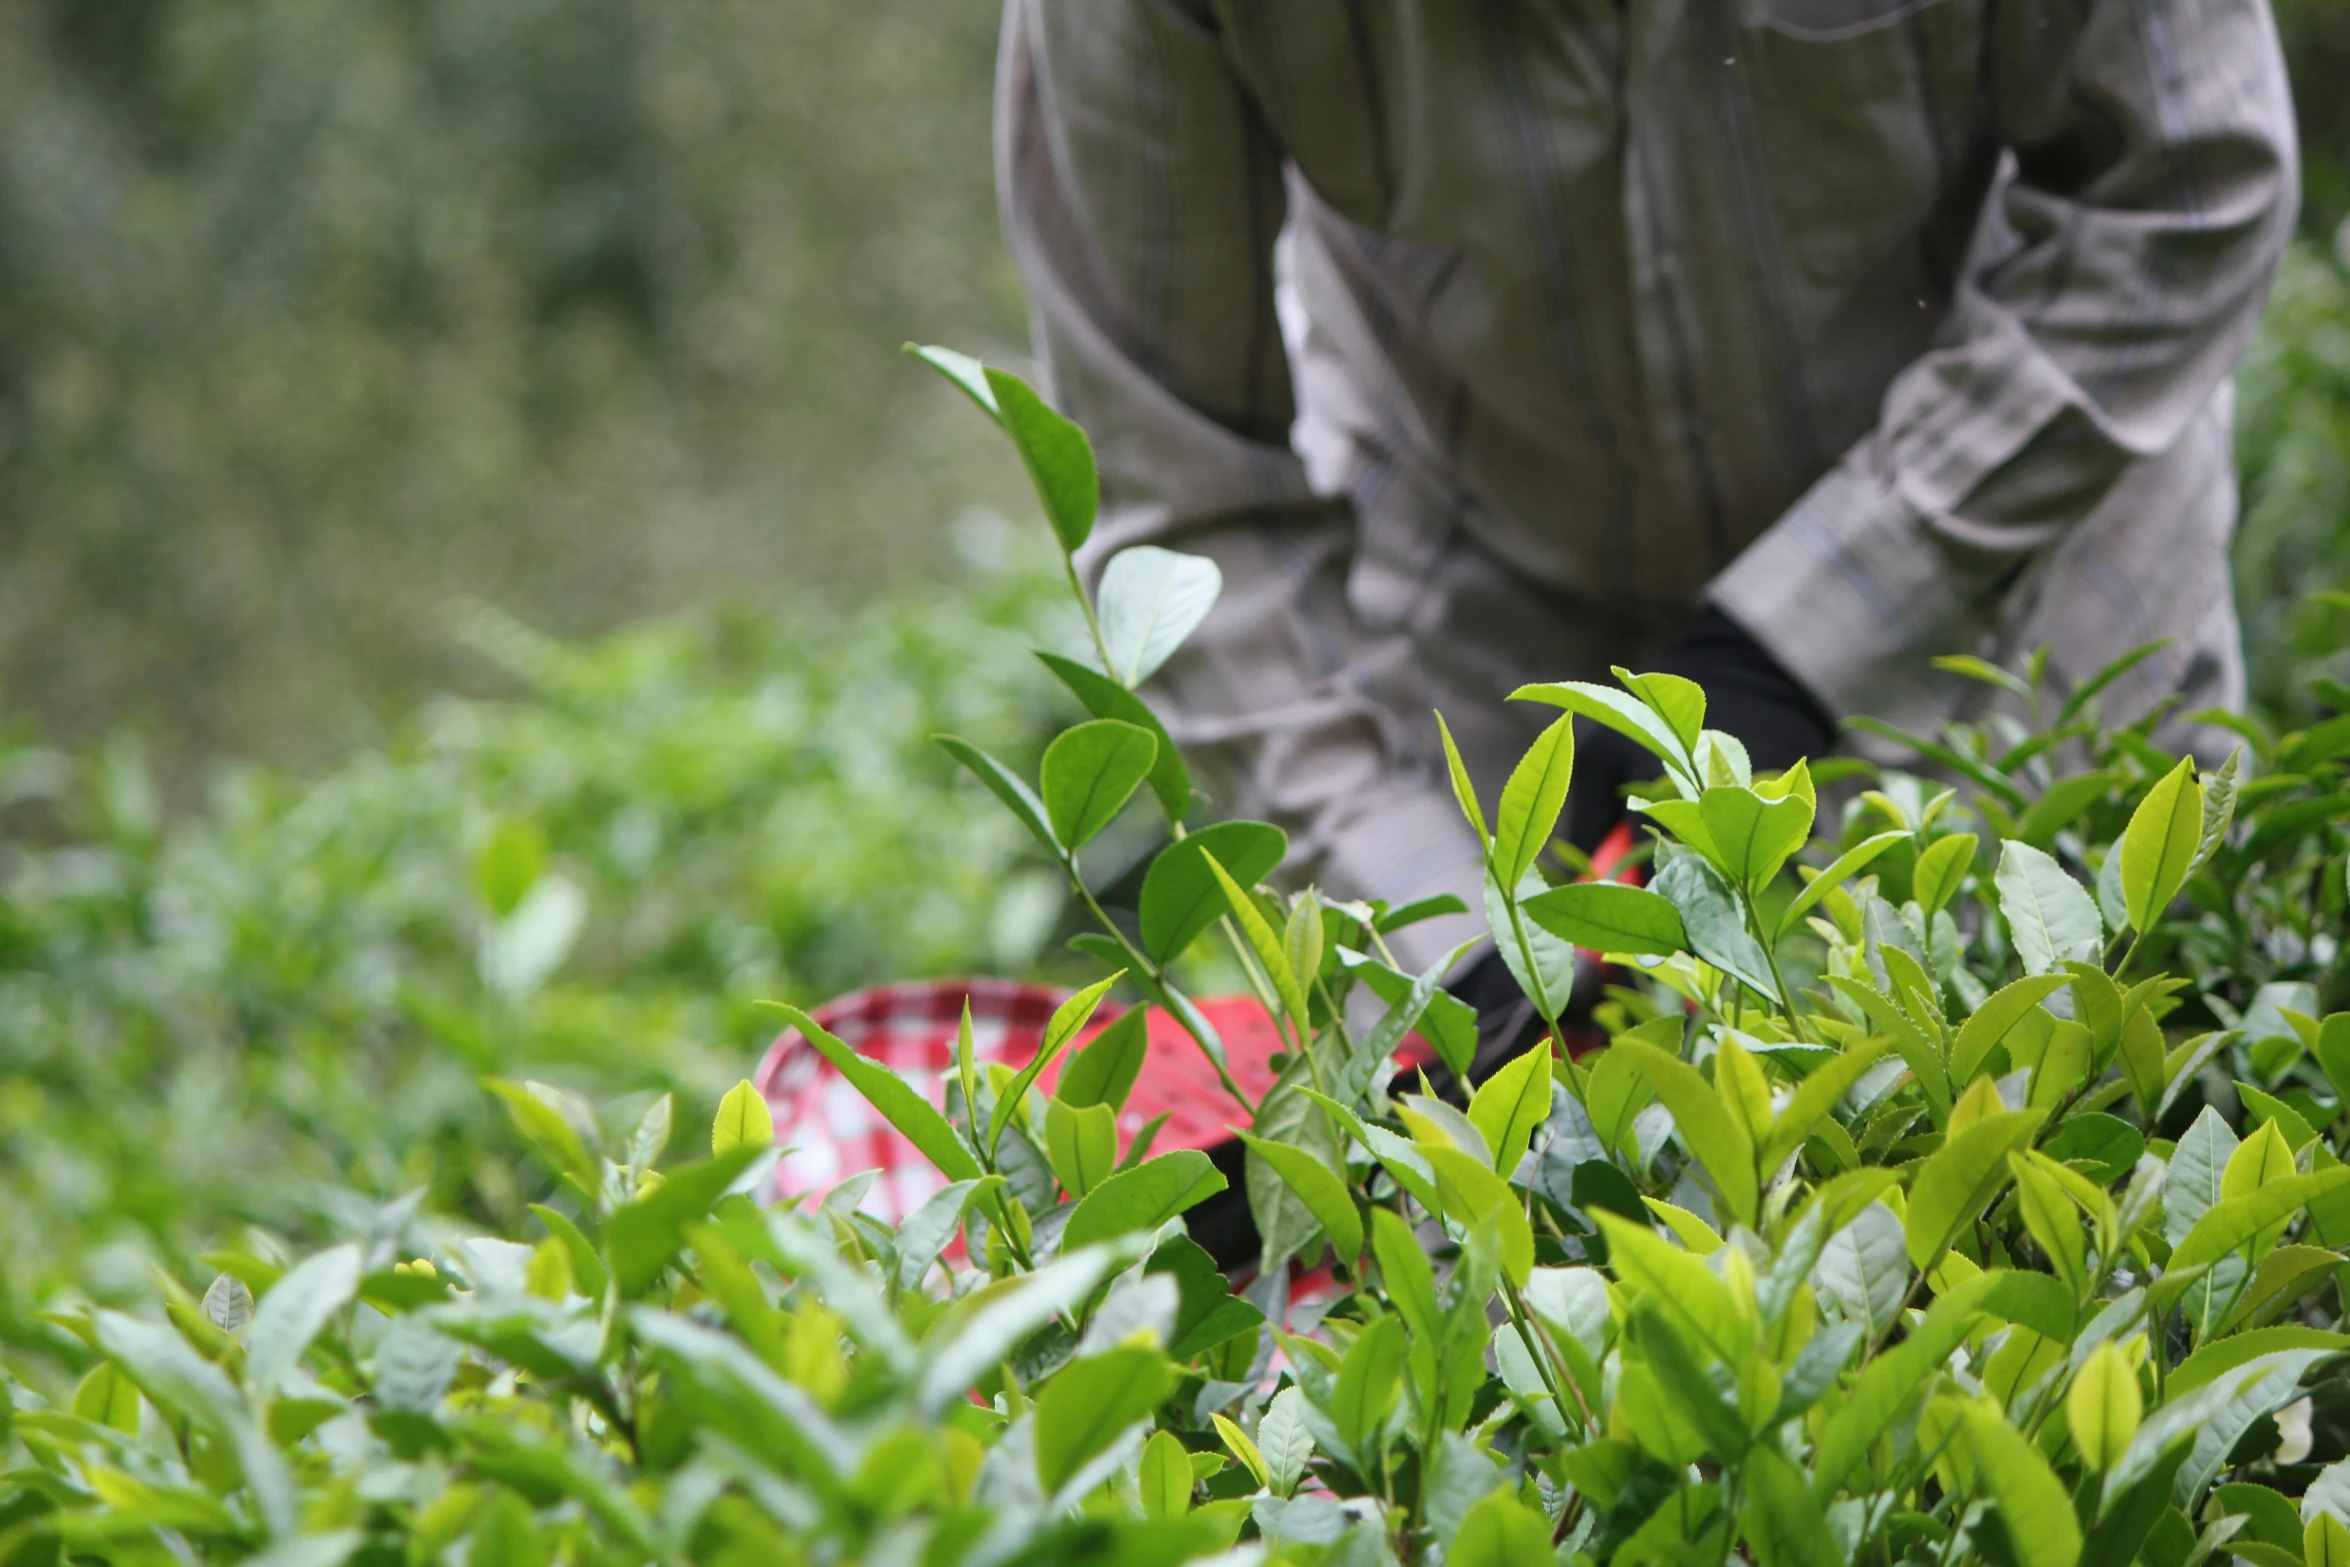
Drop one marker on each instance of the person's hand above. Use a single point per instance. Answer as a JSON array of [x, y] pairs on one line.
[[1747, 695]]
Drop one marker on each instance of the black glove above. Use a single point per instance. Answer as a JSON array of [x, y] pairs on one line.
[[1748, 694]]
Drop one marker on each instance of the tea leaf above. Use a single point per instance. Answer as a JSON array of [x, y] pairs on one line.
[[1634, 720], [965, 372], [2325, 1542], [1542, 964], [1682, 1384], [1006, 786], [1443, 1019], [228, 1304], [2052, 1223], [2104, 1407], [1752, 835], [1150, 601], [1266, 945], [1103, 1071], [1170, 778], [1405, 1272], [1471, 1194], [1511, 1104], [2238, 1221], [549, 1132], [651, 1137], [1863, 1272], [1606, 916], [1840, 870], [1142, 1198], [1705, 1127], [1090, 1402], [1285, 1439], [894, 1097], [1323, 1191], [1680, 703], [2049, 914], [1301, 940], [1783, 1524], [1089, 774], [2329, 1494], [1081, 1143], [1370, 1381], [1463, 792], [2032, 1502], [928, 1229], [1067, 1020], [644, 1236], [1007, 1319], [1165, 1478], [1181, 896], [2160, 846], [1679, 1285], [1501, 1531], [1990, 1023], [1531, 802], [2219, 806], [1887, 1383], [1814, 1098], [1056, 454], [2087, 691], [2191, 1186], [1958, 1180], [1716, 929], [1941, 870], [1973, 668], [743, 1121], [2061, 804], [1616, 1091], [296, 1310]]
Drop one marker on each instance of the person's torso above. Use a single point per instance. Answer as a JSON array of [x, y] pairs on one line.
[[1616, 282]]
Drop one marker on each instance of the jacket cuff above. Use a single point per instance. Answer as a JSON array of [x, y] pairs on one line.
[[1853, 590]]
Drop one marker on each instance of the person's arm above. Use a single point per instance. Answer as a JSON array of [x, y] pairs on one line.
[[2125, 257], [1142, 194]]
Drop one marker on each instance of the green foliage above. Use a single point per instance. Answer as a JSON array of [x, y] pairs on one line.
[[246, 1014], [1972, 1204], [2292, 553], [315, 323]]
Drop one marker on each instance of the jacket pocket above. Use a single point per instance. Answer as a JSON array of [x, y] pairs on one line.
[[1862, 111]]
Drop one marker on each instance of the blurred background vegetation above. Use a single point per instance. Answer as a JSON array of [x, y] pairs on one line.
[[314, 317], [322, 327]]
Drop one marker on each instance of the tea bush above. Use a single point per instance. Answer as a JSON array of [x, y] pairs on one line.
[[1960, 1182], [233, 1016]]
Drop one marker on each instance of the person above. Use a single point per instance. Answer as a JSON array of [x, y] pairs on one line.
[[1782, 344]]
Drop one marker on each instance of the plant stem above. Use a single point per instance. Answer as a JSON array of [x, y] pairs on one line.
[[1260, 983], [1093, 623], [2128, 953], [1012, 1241], [1156, 975], [1786, 998], [1538, 1352], [1533, 965]]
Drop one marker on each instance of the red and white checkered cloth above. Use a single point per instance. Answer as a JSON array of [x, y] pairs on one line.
[[833, 1133]]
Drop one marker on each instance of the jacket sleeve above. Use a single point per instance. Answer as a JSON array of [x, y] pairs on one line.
[[1142, 194], [2146, 195]]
